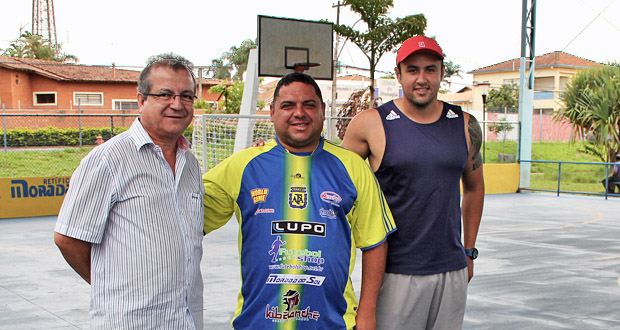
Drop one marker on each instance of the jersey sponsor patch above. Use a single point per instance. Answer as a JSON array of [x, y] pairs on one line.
[[298, 197], [261, 211], [451, 114], [298, 227], [295, 279], [290, 311], [329, 214], [259, 195], [392, 116], [331, 198], [279, 253]]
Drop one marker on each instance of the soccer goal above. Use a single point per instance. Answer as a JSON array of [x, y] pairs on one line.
[[214, 136]]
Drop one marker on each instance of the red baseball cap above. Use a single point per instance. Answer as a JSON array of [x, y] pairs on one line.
[[418, 44]]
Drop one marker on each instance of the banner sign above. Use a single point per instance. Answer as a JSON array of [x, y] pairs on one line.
[[32, 197]]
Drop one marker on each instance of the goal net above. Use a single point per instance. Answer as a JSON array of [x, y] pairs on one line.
[[214, 136]]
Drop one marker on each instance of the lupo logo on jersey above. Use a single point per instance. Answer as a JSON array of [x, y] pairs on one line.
[[298, 197], [331, 198], [298, 227]]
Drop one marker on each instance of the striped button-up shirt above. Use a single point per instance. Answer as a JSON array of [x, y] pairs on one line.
[[145, 225]]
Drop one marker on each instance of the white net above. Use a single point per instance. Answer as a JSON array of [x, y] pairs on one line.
[[214, 136]]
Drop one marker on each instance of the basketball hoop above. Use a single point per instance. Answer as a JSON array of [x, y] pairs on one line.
[[291, 45], [303, 66]]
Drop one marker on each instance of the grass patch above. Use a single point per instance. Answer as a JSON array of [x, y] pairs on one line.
[[574, 177], [40, 163]]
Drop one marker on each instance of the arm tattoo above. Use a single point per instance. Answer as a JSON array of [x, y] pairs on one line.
[[475, 135]]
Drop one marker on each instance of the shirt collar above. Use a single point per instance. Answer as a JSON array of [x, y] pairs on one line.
[[141, 137], [318, 149]]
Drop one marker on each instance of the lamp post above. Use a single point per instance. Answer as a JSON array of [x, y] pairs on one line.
[[483, 87]]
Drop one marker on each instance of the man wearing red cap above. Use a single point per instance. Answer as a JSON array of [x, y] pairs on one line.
[[421, 149]]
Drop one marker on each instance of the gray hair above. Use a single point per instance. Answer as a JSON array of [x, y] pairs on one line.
[[171, 60]]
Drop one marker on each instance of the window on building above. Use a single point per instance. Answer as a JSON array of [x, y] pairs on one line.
[[512, 81], [88, 98], [125, 105], [543, 95], [543, 111], [45, 98]]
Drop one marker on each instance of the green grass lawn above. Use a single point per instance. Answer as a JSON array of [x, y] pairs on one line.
[[583, 178], [574, 177], [40, 163]]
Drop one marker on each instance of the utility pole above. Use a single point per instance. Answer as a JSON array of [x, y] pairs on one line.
[[526, 89], [335, 66]]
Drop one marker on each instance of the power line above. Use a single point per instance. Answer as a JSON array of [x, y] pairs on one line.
[[592, 21]]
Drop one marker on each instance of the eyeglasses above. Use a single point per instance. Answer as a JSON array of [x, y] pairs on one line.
[[185, 98]]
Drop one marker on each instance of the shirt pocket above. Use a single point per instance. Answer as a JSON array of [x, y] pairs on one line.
[[194, 210]]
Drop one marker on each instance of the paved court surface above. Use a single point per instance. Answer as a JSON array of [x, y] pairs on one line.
[[545, 262]]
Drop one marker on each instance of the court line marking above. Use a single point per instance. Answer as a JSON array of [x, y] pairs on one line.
[[598, 218], [607, 258]]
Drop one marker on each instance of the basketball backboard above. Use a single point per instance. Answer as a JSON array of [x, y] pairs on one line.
[[285, 42]]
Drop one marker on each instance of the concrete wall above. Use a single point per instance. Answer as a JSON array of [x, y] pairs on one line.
[[501, 178]]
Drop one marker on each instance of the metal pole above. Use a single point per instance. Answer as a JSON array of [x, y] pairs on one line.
[[332, 106], [526, 86], [540, 124], [607, 180], [111, 126], [484, 128], [559, 177], [80, 120], [203, 121], [4, 125]]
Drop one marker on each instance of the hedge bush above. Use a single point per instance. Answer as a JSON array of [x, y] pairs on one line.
[[52, 136]]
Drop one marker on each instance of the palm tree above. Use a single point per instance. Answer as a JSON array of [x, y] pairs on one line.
[[220, 70], [450, 70], [34, 46], [15, 50], [238, 57], [592, 106]]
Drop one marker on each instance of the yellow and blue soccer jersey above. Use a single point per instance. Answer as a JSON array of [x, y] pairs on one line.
[[301, 217]]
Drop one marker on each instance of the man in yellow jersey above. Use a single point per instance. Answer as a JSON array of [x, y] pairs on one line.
[[303, 205]]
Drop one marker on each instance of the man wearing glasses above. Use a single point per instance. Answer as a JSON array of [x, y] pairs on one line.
[[131, 223]]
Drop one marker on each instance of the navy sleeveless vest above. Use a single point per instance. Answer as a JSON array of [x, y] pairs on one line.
[[420, 176]]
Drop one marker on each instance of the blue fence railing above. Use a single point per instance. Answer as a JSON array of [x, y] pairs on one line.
[[559, 186]]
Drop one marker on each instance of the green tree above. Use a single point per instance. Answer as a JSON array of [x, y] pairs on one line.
[[238, 57], [15, 50], [501, 129], [592, 106], [220, 70], [451, 70], [382, 33], [34, 46], [506, 96], [235, 59], [231, 93]]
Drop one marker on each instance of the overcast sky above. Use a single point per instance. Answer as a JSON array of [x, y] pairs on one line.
[[473, 34]]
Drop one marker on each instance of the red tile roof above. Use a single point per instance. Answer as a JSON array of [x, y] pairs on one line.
[[553, 59], [76, 72]]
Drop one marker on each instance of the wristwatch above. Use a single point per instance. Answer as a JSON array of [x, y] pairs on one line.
[[472, 253]]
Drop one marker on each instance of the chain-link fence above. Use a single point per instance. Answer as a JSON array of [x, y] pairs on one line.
[[36, 144], [214, 137], [61, 130]]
